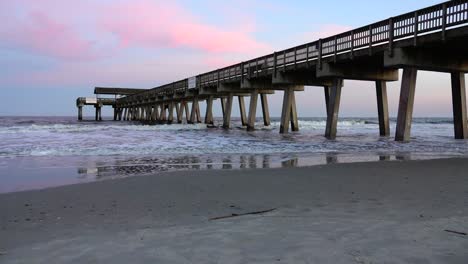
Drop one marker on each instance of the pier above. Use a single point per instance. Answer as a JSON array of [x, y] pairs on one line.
[[430, 39]]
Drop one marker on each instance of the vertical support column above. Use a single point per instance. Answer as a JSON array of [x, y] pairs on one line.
[[178, 116], [227, 112], [156, 112], [193, 114], [405, 107], [186, 107], [198, 112], [115, 113], [223, 105], [163, 113], [333, 108], [80, 113], [286, 111], [382, 108], [265, 109], [242, 110], [294, 121], [209, 110], [327, 98], [125, 111], [459, 105], [252, 110], [170, 117]]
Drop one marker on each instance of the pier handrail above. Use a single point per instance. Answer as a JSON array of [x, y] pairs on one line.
[[433, 19]]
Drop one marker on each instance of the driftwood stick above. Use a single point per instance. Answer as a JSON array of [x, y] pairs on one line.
[[236, 215], [456, 232]]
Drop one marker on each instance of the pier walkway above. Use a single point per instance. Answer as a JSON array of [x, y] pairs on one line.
[[431, 39]]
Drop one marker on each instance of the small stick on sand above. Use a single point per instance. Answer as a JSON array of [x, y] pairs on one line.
[[456, 232], [236, 215]]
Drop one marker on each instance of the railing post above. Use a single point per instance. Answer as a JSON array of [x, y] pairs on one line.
[[320, 54], [242, 72], [284, 61], [371, 35], [352, 44], [416, 28], [444, 20], [295, 57], [274, 64], [390, 36], [335, 47]]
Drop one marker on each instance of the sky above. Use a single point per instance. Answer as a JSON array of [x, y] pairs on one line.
[[53, 51]]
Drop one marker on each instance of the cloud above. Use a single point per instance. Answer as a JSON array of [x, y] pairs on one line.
[[39, 33], [164, 24]]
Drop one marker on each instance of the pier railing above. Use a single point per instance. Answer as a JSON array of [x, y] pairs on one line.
[[437, 18]]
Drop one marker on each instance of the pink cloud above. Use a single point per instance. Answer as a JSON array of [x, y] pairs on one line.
[[163, 24], [39, 33]]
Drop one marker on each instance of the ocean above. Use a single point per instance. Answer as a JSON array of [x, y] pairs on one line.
[[40, 152]]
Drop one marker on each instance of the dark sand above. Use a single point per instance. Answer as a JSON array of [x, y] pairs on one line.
[[382, 212]]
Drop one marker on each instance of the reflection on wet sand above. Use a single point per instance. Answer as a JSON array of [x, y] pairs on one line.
[[145, 166]]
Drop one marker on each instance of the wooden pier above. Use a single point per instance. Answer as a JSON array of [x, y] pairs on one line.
[[432, 39]]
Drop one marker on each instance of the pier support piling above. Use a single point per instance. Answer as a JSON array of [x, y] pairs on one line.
[[288, 113], [265, 110], [405, 107], [195, 116], [382, 108], [252, 110], [327, 98], [459, 105], [80, 113], [333, 108], [209, 111], [170, 111], [242, 110], [227, 112]]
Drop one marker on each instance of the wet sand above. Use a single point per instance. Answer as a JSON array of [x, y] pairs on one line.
[[380, 212]]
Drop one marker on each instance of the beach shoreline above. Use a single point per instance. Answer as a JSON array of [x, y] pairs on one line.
[[389, 211]]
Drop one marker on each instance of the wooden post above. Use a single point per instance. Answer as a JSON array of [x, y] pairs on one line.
[[163, 112], [115, 113], [227, 112], [194, 114], [156, 112], [198, 113], [459, 105], [242, 110], [405, 107], [179, 112], [209, 110], [170, 117], [265, 110], [223, 105], [286, 111], [382, 108], [186, 107], [333, 108], [80, 113], [327, 98], [294, 121], [252, 110]]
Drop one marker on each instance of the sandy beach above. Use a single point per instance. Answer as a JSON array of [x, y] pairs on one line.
[[381, 212]]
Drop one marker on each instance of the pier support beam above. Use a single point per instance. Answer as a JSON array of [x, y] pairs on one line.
[[242, 110], [98, 116], [194, 116], [223, 105], [162, 116], [156, 113], [333, 108], [227, 112], [265, 109], [179, 112], [80, 113], [170, 111], [382, 108], [252, 110], [209, 111], [289, 112], [327, 98], [459, 105], [405, 107]]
